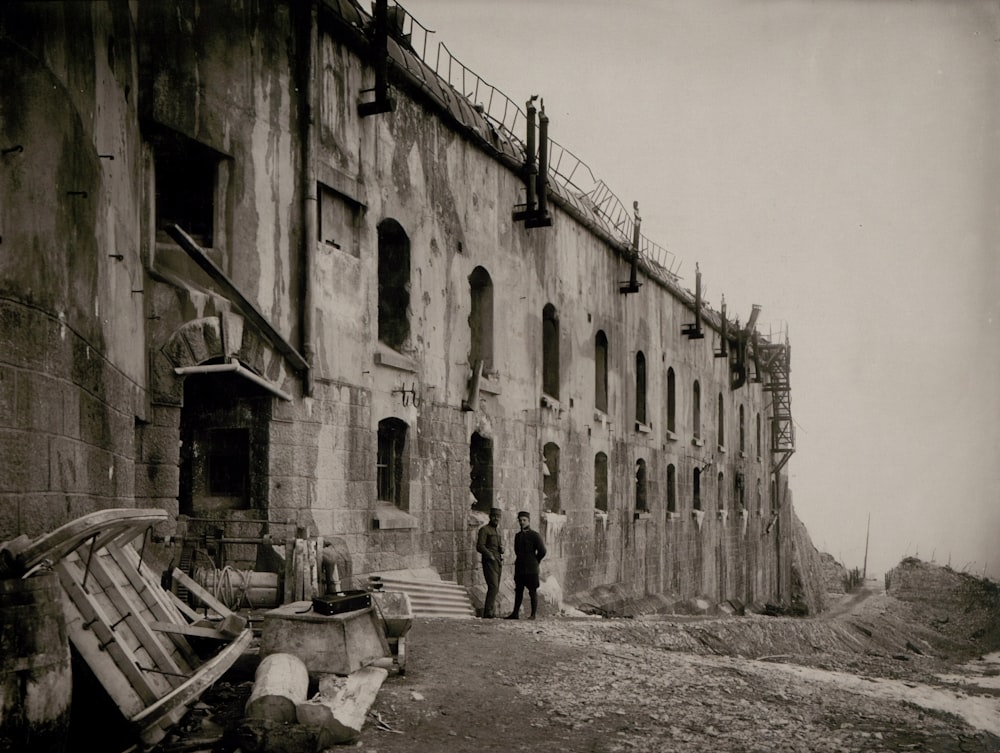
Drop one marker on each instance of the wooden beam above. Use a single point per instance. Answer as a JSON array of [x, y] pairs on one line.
[[234, 294]]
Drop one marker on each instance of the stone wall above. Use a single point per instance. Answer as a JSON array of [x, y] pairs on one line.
[[106, 316]]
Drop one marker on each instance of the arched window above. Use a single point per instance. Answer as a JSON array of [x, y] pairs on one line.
[[696, 488], [671, 401], [722, 422], [550, 480], [550, 351], [393, 284], [696, 410], [759, 453], [640, 387], [760, 500], [481, 471], [601, 371], [390, 463], [481, 319], [641, 503], [743, 431], [601, 482], [671, 488], [721, 492]]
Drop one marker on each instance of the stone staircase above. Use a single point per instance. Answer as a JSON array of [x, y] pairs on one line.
[[428, 598]]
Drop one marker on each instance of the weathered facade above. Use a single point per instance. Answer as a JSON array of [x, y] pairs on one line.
[[354, 334]]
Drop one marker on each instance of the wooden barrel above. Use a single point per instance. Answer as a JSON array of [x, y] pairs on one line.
[[36, 684]]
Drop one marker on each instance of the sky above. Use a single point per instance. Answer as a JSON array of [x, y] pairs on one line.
[[836, 162]]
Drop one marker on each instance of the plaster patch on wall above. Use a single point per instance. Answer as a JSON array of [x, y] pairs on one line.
[[699, 517], [554, 523]]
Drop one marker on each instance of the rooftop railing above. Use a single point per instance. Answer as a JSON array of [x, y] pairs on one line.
[[509, 120]]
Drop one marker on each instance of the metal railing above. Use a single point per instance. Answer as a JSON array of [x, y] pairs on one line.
[[505, 115]]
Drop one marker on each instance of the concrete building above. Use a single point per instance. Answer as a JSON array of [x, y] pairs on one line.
[[263, 267]]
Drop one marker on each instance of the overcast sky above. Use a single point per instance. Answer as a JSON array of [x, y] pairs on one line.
[[836, 162]]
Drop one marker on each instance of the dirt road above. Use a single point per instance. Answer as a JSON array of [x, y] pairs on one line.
[[871, 675], [620, 685]]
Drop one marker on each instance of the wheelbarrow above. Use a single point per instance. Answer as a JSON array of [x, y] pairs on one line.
[[394, 613]]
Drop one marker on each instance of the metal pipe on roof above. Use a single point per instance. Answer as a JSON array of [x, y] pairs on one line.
[[543, 161], [530, 167]]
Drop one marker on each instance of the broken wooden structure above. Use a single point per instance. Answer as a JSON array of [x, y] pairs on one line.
[[132, 632]]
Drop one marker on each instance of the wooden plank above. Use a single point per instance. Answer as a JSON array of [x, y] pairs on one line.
[[300, 564], [201, 592], [180, 611], [60, 542], [151, 596], [190, 691], [289, 571], [340, 708], [161, 659], [184, 607], [95, 622], [195, 630]]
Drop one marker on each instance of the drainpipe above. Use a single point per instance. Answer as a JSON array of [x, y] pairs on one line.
[[310, 202]]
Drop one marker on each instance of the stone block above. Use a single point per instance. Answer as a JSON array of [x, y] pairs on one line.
[[8, 396], [39, 403], [43, 513], [335, 644], [9, 524], [25, 458]]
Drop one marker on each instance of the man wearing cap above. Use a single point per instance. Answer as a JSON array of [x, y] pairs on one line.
[[529, 549], [490, 546]]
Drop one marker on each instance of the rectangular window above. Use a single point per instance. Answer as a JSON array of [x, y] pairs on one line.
[[339, 222], [389, 465], [186, 179]]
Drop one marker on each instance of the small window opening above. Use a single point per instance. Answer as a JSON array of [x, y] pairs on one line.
[[481, 319], [671, 401], [671, 488], [390, 462], [601, 371], [186, 174], [641, 501], [722, 422], [696, 488], [601, 482], [481, 472], [550, 474], [640, 387], [721, 492], [696, 409], [550, 351], [393, 284]]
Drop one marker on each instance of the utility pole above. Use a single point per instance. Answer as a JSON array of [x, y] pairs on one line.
[[864, 571]]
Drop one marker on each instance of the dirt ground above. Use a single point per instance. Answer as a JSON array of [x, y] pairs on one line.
[[873, 674]]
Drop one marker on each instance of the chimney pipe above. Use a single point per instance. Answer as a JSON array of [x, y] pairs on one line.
[[543, 160], [724, 334], [697, 299], [531, 169]]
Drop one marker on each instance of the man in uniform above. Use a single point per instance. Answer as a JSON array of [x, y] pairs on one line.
[[490, 545], [529, 549]]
